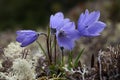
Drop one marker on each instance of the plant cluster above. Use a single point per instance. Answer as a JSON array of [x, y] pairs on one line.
[[54, 65], [64, 31]]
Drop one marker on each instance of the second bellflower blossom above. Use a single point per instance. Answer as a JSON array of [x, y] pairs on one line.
[[67, 35], [57, 21], [26, 37], [88, 24]]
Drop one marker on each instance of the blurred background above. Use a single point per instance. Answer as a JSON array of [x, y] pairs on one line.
[[35, 15]]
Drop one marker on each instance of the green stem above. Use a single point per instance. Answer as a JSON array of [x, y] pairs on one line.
[[50, 45], [62, 50], [42, 49], [48, 50], [70, 60], [55, 49], [71, 56]]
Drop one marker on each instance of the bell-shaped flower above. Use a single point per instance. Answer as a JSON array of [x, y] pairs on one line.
[[88, 24], [26, 37], [57, 21], [67, 35]]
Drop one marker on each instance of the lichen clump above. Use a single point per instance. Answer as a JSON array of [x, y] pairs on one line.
[[18, 63], [13, 50], [22, 70]]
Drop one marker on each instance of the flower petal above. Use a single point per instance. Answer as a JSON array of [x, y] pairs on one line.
[[21, 34], [56, 20], [66, 20], [69, 26], [96, 27], [65, 42], [82, 20], [70, 35], [26, 37], [20, 38], [29, 39], [74, 34], [93, 17], [88, 24]]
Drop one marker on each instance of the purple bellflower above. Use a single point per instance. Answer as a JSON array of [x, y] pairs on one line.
[[26, 37], [64, 30], [88, 24], [66, 36], [57, 21]]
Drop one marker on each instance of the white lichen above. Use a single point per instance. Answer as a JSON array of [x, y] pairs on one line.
[[22, 69], [0, 64], [24, 62], [2, 76], [82, 72], [100, 64], [13, 50]]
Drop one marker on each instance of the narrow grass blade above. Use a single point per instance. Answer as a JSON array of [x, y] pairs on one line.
[[77, 58], [70, 60]]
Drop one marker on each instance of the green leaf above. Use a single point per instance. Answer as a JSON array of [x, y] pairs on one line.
[[70, 60], [77, 58]]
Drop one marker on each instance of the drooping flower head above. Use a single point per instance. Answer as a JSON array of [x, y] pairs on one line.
[[88, 24], [26, 37], [57, 21], [67, 35]]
